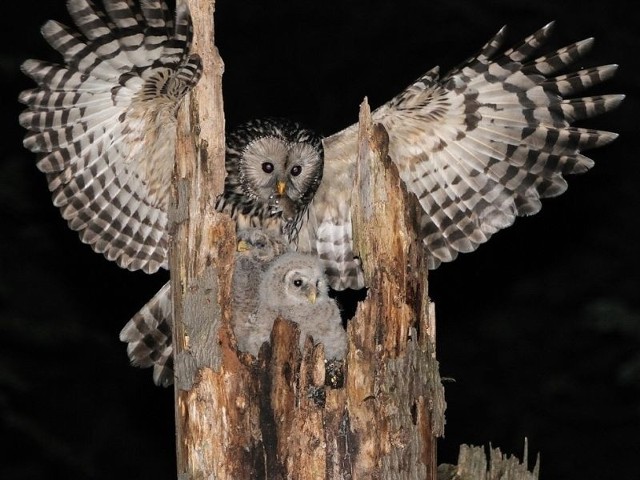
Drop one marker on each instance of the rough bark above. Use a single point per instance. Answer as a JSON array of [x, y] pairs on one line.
[[288, 414], [473, 465], [200, 264], [395, 397]]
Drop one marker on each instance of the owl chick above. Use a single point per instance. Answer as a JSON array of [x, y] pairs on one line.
[[255, 250], [295, 288], [148, 333]]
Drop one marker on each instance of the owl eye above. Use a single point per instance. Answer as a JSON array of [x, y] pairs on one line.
[[297, 282], [295, 171], [267, 167]]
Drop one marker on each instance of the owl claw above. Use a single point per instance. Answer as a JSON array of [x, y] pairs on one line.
[[274, 205], [283, 205]]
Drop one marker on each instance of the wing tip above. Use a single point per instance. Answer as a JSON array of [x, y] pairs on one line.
[[585, 45], [548, 28], [613, 101]]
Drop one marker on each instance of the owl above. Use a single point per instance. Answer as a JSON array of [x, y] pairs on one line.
[[148, 333], [476, 147], [274, 167], [295, 288], [256, 249]]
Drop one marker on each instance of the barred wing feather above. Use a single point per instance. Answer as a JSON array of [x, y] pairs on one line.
[[103, 123], [477, 147]]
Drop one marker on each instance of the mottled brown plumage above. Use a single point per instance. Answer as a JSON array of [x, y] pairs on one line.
[[104, 123], [476, 148]]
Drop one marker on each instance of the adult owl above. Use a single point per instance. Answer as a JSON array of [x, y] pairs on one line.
[[476, 147], [295, 288], [274, 167], [148, 333]]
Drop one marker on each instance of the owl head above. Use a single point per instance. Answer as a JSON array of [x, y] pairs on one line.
[[260, 245], [294, 279], [276, 163]]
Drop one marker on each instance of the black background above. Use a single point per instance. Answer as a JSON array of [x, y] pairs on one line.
[[538, 331]]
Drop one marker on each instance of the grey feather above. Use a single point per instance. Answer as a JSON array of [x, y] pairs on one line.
[[295, 288], [148, 333], [477, 148]]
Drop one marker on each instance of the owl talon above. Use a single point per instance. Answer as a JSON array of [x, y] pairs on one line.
[[274, 210], [274, 205], [283, 205]]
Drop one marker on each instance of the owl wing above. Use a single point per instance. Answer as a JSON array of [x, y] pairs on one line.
[[103, 123], [477, 147], [148, 337], [326, 229]]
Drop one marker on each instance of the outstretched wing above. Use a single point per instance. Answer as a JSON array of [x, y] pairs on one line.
[[477, 147], [103, 123]]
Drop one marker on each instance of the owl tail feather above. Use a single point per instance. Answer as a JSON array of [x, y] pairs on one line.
[[148, 335]]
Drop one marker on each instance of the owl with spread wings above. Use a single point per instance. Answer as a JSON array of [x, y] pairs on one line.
[[477, 146]]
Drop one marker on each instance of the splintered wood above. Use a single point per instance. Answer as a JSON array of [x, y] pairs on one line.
[[201, 259], [288, 414], [377, 416], [473, 465]]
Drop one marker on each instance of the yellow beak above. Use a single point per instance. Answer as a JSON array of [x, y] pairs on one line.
[[243, 246], [312, 295], [280, 187]]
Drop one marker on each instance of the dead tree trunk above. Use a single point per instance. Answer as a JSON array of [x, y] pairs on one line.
[[473, 465], [286, 415], [200, 264], [395, 398]]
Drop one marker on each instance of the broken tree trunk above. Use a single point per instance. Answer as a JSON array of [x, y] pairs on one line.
[[287, 414], [200, 262], [377, 416], [395, 397], [473, 465]]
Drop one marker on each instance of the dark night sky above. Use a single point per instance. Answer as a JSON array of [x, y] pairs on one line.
[[540, 328]]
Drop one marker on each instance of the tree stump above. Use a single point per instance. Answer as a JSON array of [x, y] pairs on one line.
[[288, 414], [473, 465]]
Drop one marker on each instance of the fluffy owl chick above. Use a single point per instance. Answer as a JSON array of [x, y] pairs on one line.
[[148, 333], [294, 287], [254, 253], [274, 167]]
